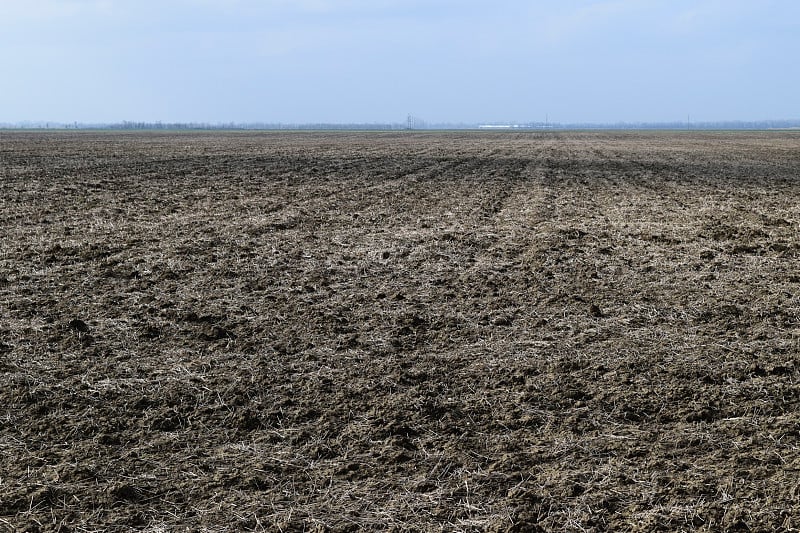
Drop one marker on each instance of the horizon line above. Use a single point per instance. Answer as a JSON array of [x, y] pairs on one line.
[[416, 124]]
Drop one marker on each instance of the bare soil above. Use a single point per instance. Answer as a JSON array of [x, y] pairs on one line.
[[399, 331]]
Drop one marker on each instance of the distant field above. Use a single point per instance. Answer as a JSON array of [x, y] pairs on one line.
[[475, 331]]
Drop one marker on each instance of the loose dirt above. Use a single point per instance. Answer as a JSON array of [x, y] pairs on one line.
[[399, 331]]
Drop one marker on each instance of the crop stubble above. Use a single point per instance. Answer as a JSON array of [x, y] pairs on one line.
[[410, 331]]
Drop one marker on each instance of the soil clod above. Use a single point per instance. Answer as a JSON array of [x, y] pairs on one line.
[[76, 324]]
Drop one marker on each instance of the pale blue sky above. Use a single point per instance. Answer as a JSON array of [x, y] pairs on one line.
[[339, 61]]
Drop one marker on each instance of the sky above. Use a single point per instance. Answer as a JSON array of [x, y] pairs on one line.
[[377, 61]]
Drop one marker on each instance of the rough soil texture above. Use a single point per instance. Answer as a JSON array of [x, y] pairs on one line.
[[399, 331]]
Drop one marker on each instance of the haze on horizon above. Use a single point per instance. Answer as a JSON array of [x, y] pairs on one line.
[[370, 61]]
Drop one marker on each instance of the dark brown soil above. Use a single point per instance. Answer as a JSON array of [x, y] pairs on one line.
[[400, 331]]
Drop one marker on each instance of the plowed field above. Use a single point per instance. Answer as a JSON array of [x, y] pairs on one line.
[[399, 331]]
